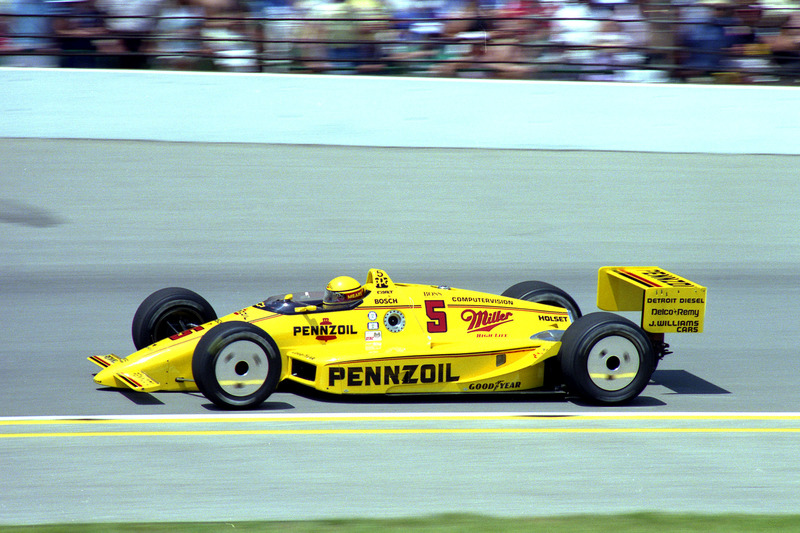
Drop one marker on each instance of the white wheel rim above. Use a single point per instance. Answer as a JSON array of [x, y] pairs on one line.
[[613, 363], [241, 368]]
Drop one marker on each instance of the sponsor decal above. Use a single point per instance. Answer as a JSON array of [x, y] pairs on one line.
[[676, 312], [553, 318], [381, 280], [683, 326], [497, 385], [364, 376], [485, 320], [372, 316], [676, 300], [661, 277], [667, 278], [373, 326], [325, 331], [481, 300], [185, 333], [372, 336], [385, 301]]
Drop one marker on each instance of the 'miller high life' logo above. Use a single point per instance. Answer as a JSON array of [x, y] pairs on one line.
[[484, 320]]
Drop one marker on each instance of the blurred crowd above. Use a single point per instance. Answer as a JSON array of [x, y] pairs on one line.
[[731, 41]]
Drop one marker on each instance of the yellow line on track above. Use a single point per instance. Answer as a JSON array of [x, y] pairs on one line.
[[22, 421], [396, 431], [551, 419]]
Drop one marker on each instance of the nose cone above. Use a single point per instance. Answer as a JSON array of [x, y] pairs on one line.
[[106, 378]]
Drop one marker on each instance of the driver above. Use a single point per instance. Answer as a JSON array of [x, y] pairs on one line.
[[342, 292]]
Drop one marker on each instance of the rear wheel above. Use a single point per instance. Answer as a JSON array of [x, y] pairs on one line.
[[168, 312], [606, 358], [544, 293], [236, 365]]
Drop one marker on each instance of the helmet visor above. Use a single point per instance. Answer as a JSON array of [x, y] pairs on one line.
[[334, 297]]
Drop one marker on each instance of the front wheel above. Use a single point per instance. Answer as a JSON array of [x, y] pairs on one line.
[[168, 312], [606, 358], [236, 365]]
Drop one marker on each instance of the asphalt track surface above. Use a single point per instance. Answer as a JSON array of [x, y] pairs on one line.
[[89, 228]]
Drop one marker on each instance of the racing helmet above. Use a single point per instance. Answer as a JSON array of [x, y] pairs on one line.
[[342, 291]]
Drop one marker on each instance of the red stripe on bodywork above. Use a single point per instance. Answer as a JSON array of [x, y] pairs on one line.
[[129, 380], [639, 278], [437, 356]]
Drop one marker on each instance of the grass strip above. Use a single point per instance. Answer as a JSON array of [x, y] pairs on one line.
[[459, 523]]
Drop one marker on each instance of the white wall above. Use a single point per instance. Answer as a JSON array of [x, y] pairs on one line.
[[411, 112]]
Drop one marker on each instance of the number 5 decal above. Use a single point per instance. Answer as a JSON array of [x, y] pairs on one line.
[[438, 318]]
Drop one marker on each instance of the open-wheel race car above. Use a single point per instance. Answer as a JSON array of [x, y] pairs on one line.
[[384, 337]]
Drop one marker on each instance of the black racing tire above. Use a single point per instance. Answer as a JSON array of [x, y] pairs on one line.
[[168, 312], [236, 365], [544, 293], [606, 359]]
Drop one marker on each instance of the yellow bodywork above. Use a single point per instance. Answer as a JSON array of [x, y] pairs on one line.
[[408, 338], [401, 338], [669, 303]]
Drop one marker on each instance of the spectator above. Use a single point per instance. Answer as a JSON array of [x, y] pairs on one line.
[[341, 30], [467, 32], [471, 17], [785, 48], [407, 13], [573, 31], [662, 36], [81, 34], [710, 40], [351, 33], [132, 22], [280, 28], [632, 24], [178, 31], [502, 52], [409, 48], [537, 14], [575, 25], [508, 56], [30, 31], [310, 52], [533, 29], [373, 20], [232, 39], [749, 58], [613, 54], [5, 44], [616, 51]]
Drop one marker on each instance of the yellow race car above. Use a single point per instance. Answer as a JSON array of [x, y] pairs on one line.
[[384, 337]]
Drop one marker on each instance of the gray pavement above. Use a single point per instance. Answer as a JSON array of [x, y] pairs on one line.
[[283, 469], [89, 228]]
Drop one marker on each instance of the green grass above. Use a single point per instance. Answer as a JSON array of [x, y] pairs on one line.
[[631, 523]]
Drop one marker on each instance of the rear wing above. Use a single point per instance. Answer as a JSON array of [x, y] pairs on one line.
[[669, 303]]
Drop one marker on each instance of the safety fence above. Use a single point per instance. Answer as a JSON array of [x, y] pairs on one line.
[[709, 42]]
